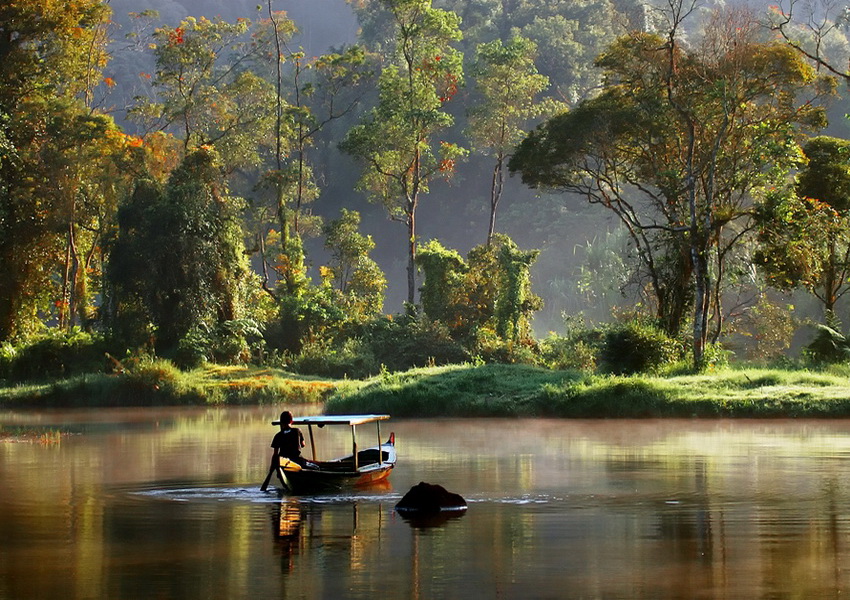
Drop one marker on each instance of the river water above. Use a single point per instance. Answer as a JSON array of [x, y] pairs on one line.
[[165, 503]]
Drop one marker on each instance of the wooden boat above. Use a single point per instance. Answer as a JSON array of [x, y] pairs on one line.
[[360, 468]]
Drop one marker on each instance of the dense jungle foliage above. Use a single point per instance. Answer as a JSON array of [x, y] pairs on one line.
[[203, 190]]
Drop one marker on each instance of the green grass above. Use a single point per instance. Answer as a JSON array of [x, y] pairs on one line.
[[459, 390], [503, 390]]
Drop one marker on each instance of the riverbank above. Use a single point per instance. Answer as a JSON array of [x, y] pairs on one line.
[[159, 383], [461, 391], [518, 391]]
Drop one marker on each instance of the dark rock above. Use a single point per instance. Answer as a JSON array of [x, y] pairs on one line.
[[426, 498]]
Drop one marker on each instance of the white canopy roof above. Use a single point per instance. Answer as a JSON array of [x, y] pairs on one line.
[[336, 420]]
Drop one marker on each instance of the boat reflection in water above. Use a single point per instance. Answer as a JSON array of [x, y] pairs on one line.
[[346, 528], [287, 517]]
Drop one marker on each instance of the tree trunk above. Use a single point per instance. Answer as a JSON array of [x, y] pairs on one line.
[[411, 256], [65, 300], [496, 187], [701, 304], [830, 285]]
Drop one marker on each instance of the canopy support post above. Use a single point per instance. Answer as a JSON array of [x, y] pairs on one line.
[[312, 441], [380, 450], [354, 446]]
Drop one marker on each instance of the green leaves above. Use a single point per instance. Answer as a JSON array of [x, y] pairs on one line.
[[179, 262], [205, 94]]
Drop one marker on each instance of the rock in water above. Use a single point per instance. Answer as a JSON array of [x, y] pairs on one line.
[[427, 498]]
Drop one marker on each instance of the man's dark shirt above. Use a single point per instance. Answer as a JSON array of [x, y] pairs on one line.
[[288, 442]]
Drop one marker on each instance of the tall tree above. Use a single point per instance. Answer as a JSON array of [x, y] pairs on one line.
[[397, 141], [679, 143], [508, 83], [357, 277], [179, 261], [317, 93], [817, 29], [51, 55]]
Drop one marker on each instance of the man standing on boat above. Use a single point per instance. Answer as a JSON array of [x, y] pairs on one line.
[[287, 442]]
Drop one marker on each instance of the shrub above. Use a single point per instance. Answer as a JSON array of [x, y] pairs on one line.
[[235, 342], [352, 358], [156, 374], [828, 346], [193, 349], [577, 351], [715, 356], [408, 341], [7, 356], [491, 348], [636, 347], [59, 354]]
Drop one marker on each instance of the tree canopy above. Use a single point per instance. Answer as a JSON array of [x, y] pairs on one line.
[[678, 144]]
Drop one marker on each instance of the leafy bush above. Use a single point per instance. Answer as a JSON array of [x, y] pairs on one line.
[[829, 346], [578, 348], [193, 349], [156, 374], [408, 341], [235, 342], [580, 352], [715, 357], [231, 342], [491, 348], [637, 347], [59, 354], [8, 352], [352, 358]]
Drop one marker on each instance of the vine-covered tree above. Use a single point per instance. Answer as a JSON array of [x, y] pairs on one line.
[[179, 262], [490, 290], [397, 141]]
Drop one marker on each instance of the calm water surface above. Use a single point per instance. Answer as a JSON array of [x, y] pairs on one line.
[[166, 504]]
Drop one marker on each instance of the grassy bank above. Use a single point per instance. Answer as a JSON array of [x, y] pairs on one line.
[[502, 390], [463, 391], [159, 383]]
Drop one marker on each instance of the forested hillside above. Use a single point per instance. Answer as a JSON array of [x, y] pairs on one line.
[[397, 182]]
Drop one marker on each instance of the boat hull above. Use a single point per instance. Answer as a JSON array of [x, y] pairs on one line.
[[339, 474]]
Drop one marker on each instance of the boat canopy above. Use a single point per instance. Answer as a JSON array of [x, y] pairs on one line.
[[336, 420]]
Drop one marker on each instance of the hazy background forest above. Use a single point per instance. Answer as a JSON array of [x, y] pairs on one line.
[[579, 244], [454, 212], [585, 274]]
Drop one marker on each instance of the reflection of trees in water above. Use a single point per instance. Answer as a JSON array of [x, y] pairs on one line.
[[785, 543], [696, 530]]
